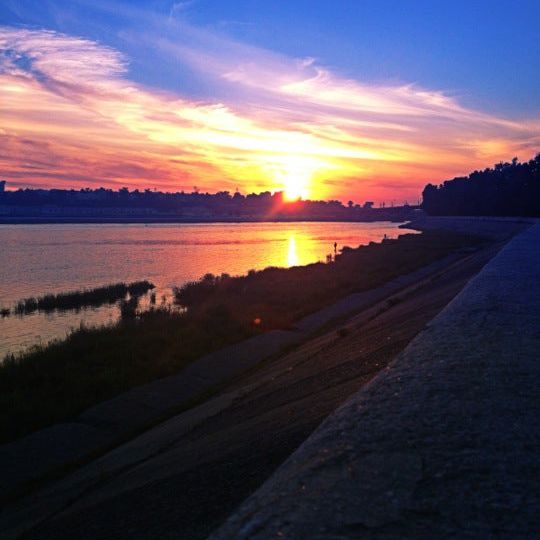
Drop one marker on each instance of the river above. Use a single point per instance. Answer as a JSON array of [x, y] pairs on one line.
[[40, 259]]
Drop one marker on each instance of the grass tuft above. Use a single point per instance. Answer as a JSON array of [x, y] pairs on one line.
[[108, 294]]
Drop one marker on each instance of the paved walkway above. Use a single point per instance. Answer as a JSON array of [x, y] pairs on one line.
[[443, 444]]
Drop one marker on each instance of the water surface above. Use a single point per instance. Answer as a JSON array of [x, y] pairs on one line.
[[39, 259]]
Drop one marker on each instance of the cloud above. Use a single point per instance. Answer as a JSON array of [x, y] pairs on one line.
[[180, 7], [71, 115]]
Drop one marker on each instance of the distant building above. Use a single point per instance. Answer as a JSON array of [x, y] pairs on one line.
[[2, 186], [197, 212]]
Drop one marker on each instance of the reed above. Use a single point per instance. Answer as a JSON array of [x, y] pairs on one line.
[[73, 300]]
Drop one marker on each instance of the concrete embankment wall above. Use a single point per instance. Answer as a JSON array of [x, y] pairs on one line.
[[106, 424], [442, 444]]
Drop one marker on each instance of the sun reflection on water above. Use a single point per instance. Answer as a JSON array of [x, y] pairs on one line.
[[292, 255]]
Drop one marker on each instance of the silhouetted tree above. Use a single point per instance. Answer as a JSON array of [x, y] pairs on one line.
[[197, 205], [508, 189]]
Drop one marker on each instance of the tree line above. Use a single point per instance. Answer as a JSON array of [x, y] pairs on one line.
[[218, 205], [507, 189]]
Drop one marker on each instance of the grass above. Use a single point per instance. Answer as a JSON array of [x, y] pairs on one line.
[[54, 383], [96, 297], [277, 297]]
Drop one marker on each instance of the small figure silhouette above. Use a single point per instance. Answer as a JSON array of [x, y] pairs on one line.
[[335, 248]]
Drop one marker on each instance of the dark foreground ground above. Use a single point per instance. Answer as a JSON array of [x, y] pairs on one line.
[[191, 475], [443, 444]]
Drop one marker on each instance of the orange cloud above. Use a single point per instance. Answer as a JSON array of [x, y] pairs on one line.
[[72, 117]]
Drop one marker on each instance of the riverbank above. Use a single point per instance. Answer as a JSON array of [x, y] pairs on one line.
[[95, 364], [441, 444], [224, 448]]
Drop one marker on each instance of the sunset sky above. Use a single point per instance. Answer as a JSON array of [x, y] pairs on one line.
[[366, 99]]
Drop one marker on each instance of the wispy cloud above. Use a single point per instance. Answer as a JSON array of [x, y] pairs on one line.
[[72, 115], [180, 7]]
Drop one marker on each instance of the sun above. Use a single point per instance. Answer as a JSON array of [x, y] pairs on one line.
[[294, 177], [294, 190]]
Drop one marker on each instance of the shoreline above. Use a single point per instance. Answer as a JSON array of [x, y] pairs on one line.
[[293, 391], [171, 220], [222, 310]]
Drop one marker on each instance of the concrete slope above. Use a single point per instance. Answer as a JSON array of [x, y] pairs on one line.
[[51, 451], [106, 424], [443, 444], [186, 475]]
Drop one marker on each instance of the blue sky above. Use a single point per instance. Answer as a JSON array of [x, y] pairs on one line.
[[485, 51], [405, 78]]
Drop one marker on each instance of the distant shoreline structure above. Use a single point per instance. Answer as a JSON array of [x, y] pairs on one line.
[[102, 205], [42, 220]]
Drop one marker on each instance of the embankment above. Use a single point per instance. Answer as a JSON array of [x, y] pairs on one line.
[[442, 444], [184, 476]]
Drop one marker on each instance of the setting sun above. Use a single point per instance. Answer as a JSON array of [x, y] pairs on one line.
[[294, 191], [294, 176]]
